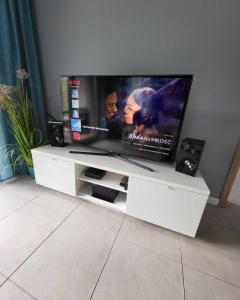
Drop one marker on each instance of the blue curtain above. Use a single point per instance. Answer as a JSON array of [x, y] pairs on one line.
[[18, 50]]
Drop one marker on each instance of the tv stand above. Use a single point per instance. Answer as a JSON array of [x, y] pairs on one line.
[[164, 197], [114, 154]]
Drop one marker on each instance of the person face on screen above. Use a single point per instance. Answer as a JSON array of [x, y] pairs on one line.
[[130, 109], [135, 102], [148, 118], [111, 105]]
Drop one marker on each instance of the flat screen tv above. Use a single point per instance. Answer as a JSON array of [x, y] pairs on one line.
[[139, 116]]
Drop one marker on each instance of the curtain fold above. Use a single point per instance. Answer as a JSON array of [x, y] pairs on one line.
[[18, 50]]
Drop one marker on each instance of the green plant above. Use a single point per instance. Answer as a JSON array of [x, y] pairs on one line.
[[16, 102]]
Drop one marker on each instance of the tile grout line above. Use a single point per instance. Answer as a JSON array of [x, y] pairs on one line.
[[6, 280], [230, 227], [183, 281], [107, 258], [25, 204], [55, 229], [233, 227], [213, 276], [18, 286], [221, 226], [205, 273], [151, 251]]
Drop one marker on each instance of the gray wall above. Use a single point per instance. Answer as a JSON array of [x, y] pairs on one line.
[[159, 37]]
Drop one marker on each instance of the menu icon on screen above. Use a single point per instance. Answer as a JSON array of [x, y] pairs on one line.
[[76, 125]]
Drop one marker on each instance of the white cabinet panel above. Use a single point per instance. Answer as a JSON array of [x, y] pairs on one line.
[[172, 208], [164, 197], [55, 173]]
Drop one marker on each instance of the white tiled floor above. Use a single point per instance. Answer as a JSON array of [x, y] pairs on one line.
[[2, 279], [53, 246]]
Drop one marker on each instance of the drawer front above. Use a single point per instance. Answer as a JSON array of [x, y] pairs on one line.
[[165, 206], [54, 173]]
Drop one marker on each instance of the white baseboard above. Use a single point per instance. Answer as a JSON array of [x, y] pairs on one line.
[[213, 201]]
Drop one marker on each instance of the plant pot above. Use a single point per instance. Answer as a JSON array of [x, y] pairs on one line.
[[31, 172]]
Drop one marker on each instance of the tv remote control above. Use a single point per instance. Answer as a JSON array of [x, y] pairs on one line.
[[124, 182]]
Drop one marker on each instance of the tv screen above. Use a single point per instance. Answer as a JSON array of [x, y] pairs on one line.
[[132, 115]]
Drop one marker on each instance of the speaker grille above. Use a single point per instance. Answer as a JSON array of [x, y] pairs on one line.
[[189, 156], [55, 133]]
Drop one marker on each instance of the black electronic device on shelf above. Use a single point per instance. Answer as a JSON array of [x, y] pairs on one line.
[[94, 173], [104, 193]]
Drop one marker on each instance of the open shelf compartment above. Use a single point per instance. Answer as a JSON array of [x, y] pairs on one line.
[[119, 204], [110, 180]]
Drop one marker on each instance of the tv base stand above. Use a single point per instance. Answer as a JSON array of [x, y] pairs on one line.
[[164, 197], [116, 155]]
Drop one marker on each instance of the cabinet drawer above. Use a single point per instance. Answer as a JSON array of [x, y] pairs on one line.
[[54, 173], [166, 206]]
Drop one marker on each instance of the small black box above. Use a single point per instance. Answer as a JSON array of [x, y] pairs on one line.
[[95, 173], [104, 193]]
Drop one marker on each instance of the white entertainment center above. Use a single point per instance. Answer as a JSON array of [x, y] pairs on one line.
[[164, 197]]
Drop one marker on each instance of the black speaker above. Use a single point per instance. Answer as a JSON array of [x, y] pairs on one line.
[[189, 156], [55, 133]]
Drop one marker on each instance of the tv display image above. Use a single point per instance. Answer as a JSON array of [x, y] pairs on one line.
[[139, 116]]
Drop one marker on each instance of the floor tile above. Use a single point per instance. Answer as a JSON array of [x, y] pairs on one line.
[[228, 217], [68, 264], [199, 286], [2, 279], [215, 251], [24, 230], [138, 274], [24, 185], [218, 216], [234, 215], [152, 237], [9, 291], [1, 185], [15, 193], [9, 202], [235, 221], [56, 202], [204, 216]]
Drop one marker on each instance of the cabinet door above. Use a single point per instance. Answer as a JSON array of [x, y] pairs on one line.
[[169, 207], [54, 173]]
